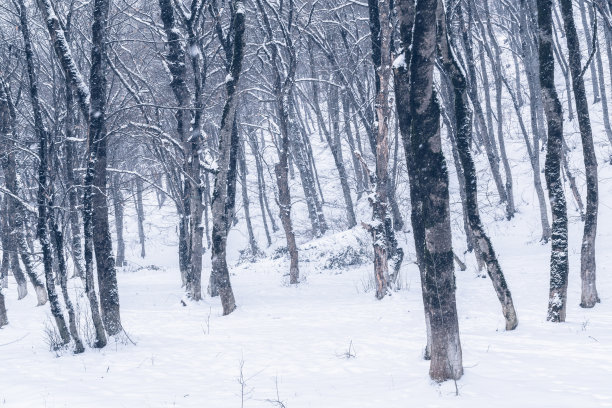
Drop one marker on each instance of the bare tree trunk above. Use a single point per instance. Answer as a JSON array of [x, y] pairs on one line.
[[221, 211], [118, 206], [587, 32], [16, 210], [140, 216], [75, 225], [96, 170], [531, 68], [3, 316], [246, 205], [42, 230], [587, 257], [554, 116], [403, 97], [261, 186], [432, 176], [58, 244], [463, 116], [283, 90]]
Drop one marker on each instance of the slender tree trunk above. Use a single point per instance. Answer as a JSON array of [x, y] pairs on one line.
[[246, 205], [58, 244], [43, 148], [69, 152], [261, 186], [140, 216], [96, 168], [587, 257], [554, 116], [531, 68], [3, 316], [587, 31], [463, 116], [118, 206], [283, 91], [17, 211], [222, 213]]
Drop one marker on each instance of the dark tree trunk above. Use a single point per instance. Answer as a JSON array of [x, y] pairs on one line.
[[42, 230], [225, 180], [554, 116], [432, 190], [587, 257], [463, 117], [96, 172], [402, 92], [587, 32]]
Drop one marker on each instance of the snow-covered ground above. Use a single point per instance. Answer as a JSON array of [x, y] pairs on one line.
[[326, 342]]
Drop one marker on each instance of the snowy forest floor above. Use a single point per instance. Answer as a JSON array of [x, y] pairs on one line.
[[326, 342]]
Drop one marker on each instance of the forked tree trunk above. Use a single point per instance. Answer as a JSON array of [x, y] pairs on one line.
[[222, 212], [283, 91]]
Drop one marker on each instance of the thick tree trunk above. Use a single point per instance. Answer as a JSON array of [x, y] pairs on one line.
[[554, 116], [587, 257], [402, 94], [432, 183]]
